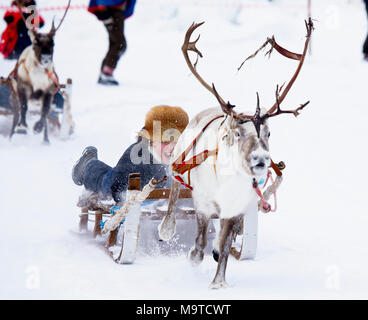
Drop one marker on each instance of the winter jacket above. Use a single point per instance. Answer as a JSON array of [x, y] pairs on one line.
[[136, 159], [15, 38], [100, 8]]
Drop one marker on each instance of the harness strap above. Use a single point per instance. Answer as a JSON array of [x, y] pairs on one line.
[[269, 175], [278, 167], [14, 72], [181, 166], [54, 78], [265, 205], [194, 161], [180, 162], [52, 75], [183, 183]]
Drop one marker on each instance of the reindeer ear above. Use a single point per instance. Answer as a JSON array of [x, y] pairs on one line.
[[52, 30]]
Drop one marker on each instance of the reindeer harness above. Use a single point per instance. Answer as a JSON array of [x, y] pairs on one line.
[[51, 75], [181, 166]]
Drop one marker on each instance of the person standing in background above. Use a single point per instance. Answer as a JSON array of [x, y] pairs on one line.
[[113, 14], [15, 38], [365, 46]]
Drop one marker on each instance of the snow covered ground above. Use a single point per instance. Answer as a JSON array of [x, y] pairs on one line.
[[314, 247]]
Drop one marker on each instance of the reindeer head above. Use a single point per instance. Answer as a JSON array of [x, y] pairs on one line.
[[242, 147], [244, 138], [43, 47], [43, 43]]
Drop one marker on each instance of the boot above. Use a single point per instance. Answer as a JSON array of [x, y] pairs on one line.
[[107, 79], [88, 154]]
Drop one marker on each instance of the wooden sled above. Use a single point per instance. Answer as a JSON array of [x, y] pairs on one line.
[[60, 120], [95, 210]]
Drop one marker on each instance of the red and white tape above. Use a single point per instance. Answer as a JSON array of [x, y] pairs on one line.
[[235, 4], [52, 8]]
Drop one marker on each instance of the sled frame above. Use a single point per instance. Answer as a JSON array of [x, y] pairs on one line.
[[97, 210]]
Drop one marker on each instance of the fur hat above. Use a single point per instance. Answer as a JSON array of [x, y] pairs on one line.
[[164, 123]]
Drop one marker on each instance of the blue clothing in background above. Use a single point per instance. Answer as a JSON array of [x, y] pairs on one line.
[[96, 5]]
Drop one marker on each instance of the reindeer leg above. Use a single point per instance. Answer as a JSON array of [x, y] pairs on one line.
[[216, 243], [22, 127], [166, 228], [226, 237], [46, 140], [15, 109], [40, 124], [196, 254]]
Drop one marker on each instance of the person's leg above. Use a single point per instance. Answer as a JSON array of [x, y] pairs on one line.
[[365, 48], [117, 46], [117, 41], [94, 175], [89, 154], [58, 100], [365, 45]]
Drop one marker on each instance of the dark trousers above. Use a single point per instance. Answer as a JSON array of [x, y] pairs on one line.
[[117, 41], [97, 177], [365, 45]]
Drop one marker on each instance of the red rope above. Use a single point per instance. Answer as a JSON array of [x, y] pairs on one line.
[[183, 183], [52, 8], [266, 206]]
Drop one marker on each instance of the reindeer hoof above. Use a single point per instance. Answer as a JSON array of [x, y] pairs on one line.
[[21, 129], [218, 285], [195, 256], [215, 255], [38, 127]]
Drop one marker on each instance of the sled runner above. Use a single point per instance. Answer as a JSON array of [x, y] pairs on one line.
[[59, 117], [122, 242]]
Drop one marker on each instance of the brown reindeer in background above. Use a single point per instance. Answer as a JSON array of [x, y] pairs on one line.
[[34, 78]]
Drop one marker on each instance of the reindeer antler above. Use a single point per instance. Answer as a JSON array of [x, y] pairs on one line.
[[288, 54], [278, 109], [275, 109], [53, 29], [191, 46]]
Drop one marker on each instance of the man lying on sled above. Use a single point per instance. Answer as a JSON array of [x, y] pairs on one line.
[[149, 156]]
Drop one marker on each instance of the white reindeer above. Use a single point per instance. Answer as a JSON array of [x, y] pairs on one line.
[[222, 156], [34, 78]]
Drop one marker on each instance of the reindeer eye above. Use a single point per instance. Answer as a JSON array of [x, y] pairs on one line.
[[237, 134], [224, 137], [269, 134]]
